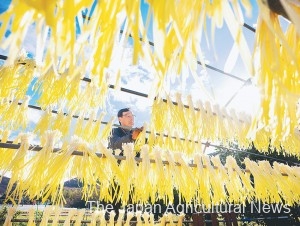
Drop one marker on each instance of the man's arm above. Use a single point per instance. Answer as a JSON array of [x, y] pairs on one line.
[[117, 139]]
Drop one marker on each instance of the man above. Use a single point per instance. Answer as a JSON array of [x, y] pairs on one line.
[[119, 136], [124, 133]]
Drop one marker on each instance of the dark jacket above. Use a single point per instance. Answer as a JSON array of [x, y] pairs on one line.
[[118, 137]]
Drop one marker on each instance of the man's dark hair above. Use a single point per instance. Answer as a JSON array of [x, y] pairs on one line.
[[120, 112]]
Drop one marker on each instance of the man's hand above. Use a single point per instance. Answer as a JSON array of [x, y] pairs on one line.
[[136, 132]]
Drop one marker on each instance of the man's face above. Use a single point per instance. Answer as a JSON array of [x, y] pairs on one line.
[[127, 119]]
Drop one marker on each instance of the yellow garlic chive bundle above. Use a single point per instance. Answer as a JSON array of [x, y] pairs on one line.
[[7, 79], [170, 217], [88, 129], [163, 220], [25, 74], [16, 78], [62, 88], [35, 180], [277, 191], [195, 120], [179, 116], [31, 217], [293, 10], [263, 183], [260, 186], [217, 185], [16, 166], [202, 117], [159, 140], [95, 217], [241, 125], [173, 140], [184, 35], [9, 114], [45, 88], [177, 144], [166, 117], [129, 169], [105, 133], [188, 184], [159, 178], [79, 217], [20, 16], [46, 215], [96, 128], [221, 129], [111, 218], [291, 143], [120, 218], [144, 188], [232, 123], [21, 119], [173, 173], [201, 173], [279, 80], [15, 116], [56, 211], [224, 177], [171, 144], [244, 127], [113, 172], [180, 219], [60, 18], [159, 115], [209, 130], [169, 179], [192, 117], [138, 215], [51, 87], [45, 122], [156, 140], [89, 97], [235, 28], [282, 185], [6, 154], [236, 175], [103, 28], [101, 217], [151, 220], [260, 137], [62, 123], [10, 213], [71, 213], [79, 127], [213, 122], [146, 217], [291, 183], [226, 133], [130, 215], [135, 26], [58, 169], [235, 187], [4, 103], [87, 168], [73, 89]]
